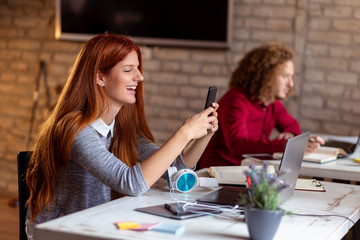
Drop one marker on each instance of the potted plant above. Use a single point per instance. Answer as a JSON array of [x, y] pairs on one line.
[[262, 213]]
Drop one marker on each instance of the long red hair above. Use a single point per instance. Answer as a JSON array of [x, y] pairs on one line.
[[80, 103]]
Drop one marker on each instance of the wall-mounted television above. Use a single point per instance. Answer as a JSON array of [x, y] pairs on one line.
[[188, 23]]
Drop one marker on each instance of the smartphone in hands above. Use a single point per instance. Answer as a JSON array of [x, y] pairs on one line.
[[211, 96]]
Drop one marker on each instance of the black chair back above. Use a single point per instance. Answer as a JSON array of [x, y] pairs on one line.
[[23, 159]]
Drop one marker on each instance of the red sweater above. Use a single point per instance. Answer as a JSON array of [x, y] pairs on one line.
[[245, 127]]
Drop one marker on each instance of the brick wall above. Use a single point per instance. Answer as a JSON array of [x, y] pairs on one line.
[[324, 33], [329, 99]]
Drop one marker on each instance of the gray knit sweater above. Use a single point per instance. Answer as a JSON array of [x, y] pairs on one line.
[[92, 172]]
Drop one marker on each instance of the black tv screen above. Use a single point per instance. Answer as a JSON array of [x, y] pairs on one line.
[[192, 23]]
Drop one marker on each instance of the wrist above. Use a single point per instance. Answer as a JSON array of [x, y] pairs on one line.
[[185, 134]]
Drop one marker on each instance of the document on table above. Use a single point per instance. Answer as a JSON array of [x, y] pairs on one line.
[[309, 185]]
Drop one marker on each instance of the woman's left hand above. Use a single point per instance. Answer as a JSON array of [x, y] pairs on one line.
[[202, 123], [214, 124]]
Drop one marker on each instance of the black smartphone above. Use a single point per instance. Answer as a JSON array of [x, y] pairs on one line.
[[179, 210], [175, 208], [211, 96]]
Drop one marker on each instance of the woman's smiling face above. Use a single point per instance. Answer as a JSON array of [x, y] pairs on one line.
[[120, 84]]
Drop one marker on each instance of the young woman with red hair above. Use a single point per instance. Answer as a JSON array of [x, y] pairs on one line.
[[97, 140]]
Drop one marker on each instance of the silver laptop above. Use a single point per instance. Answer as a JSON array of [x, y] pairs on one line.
[[356, 152], [290, 163]]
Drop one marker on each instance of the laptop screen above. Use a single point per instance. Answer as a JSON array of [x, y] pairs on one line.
[[291, 163]]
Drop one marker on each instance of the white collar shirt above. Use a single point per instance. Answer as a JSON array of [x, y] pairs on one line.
[[102, 128]]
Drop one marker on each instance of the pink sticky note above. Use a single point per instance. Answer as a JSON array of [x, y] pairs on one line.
[[146, 226]]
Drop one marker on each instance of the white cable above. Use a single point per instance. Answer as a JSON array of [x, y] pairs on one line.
[[195, 207], [224, 208], [235, 212], [173, 195]]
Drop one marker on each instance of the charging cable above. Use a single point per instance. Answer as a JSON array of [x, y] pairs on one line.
[[207, 209], [234, 211], [172, 193]]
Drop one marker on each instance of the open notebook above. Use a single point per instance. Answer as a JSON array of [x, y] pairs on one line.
[[232, 175], [325, 154], [332, 150]]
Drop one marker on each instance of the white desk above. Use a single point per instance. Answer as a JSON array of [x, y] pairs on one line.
[[98, 222], [344, 169]]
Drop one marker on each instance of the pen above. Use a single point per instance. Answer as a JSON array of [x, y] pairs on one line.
[[316, 139], [312, 139]]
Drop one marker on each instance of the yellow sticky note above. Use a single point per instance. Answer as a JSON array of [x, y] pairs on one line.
[[127, 225]]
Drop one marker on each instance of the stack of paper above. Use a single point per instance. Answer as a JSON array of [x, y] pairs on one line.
[[159, 227]]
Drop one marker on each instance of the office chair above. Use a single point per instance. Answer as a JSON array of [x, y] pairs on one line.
[[23, 159]]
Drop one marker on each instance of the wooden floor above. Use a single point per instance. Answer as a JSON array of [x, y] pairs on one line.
[[9, 220]]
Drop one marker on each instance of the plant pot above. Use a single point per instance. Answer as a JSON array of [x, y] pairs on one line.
[[262, 224]]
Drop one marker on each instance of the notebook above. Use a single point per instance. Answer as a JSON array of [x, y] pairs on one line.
[[232, 175], [290, 163]]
